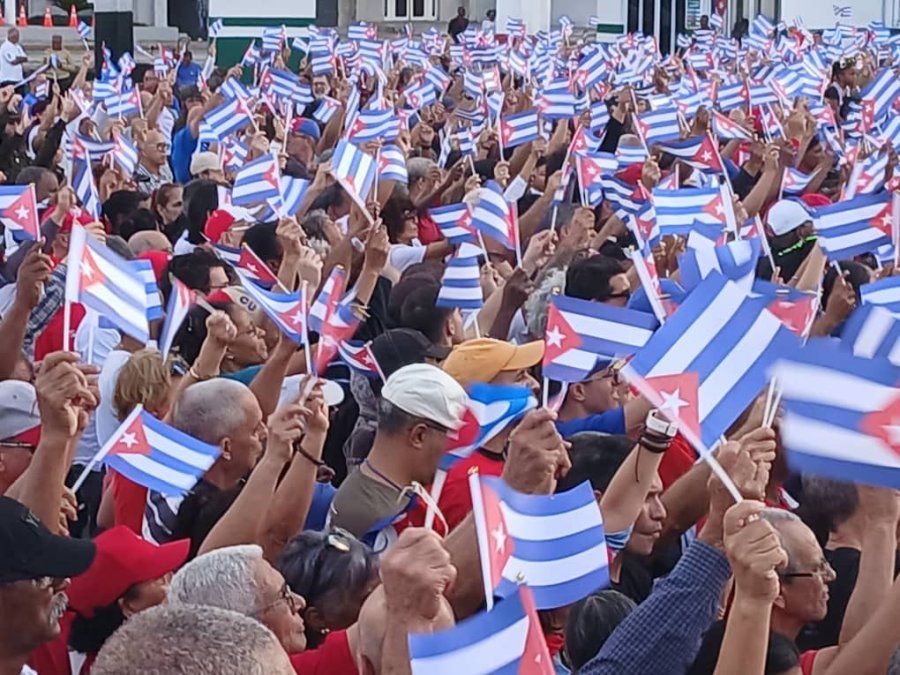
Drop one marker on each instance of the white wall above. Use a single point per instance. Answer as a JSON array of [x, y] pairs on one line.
[[262, 9], [822, 15], [535, 14]]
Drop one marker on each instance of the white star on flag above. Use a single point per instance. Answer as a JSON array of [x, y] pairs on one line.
[[672, 400], [555, 337], [129, 440]]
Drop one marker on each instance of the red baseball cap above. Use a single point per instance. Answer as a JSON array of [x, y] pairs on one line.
[[123, 559], [158, 261], [72, 217], [815, 200]]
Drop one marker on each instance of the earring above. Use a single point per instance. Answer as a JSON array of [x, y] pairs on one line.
[[226, 456], [325, 631]]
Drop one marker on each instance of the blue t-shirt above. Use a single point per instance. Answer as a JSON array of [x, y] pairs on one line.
[[609, 422], [187, 75], [244, 375], [183, 146]]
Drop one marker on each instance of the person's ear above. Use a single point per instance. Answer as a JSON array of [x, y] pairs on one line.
[[128, 610], [598, 495], [576, 391], [226, 449], [417, 433], [314, 620], [779, 599]]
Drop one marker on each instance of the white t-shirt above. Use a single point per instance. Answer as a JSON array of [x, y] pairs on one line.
[[402, 256], [9, 52]]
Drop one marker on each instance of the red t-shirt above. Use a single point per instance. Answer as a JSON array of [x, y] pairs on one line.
[[429, 232], [129, 499], [333, 657], [807, 660], [50, 339], [456, 500]]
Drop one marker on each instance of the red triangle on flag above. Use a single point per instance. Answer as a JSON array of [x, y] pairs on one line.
[[559, 337], [708, 155], [90, 272], [466, 434], [884, 424], [795, 315], [294, 317], [499, 542], [506, 131], [716, 208], [535, 656], [23, 213], [132, 440], [884, 220], [677, 397]]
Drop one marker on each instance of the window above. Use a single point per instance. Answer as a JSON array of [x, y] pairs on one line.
[[410, 10]]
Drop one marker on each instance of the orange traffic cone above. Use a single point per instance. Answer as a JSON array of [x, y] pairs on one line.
[[2, 20], [73, 17], [48, 20], [23, 20]]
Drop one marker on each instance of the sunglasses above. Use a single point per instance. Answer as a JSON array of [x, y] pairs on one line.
[[30, 447]]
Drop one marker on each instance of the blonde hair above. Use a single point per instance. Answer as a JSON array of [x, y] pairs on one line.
[[144, 379]]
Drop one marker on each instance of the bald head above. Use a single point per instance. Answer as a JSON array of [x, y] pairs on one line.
[[149, 240], [191, 639], [213, 410]]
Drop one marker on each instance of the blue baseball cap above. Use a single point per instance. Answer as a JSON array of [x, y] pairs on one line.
[[305, 127]]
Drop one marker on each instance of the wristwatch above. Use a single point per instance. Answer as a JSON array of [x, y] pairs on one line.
[[660, 425], [658, 433]]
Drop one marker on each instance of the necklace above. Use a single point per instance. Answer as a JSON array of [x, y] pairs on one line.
[[387, 480]]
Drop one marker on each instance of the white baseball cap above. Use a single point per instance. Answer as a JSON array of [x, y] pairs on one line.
[[786, 216], [18, 409], [426, 391]]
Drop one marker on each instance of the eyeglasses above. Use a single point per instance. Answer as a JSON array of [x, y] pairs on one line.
[[339, 539], [612, 375], [285, 595], [162, 147], [823, 570]]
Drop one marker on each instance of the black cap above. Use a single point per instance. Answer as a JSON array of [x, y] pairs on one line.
[[28, 550], [400, 347]]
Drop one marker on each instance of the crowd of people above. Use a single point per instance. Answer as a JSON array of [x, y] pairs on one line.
[[328, 530]]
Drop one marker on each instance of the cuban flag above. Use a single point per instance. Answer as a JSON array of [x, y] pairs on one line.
[[334, 286], [96, 150], [255, 269], [580, 332], [795, 309], [590, 169], [229, 118], [232, 88], [698, 151], [371, 124], [18, 212], [854, 226], [293, 191], [631, 154], [733, 96], [643, 226], [492, 408], [599, 116], [736, 260], [795, 181], [659, 125], [494, 217], [420, 95], [882, 92], [257, 182], [279, 82], [326, 109], [215, 27], [681, 211], [705, 365], [272, 38], [144, 271], [558, 101], [884, 293], [392, 164], [125, 154], [102, 280], [181, 299], [554, 544], [841, 414], [518, 129], [359, 357], [126, 104], [234, 153], [454, 222], [461, 282], [157, 456], [362, 31], [354, 169], [83, 180], [287, 310], [872, 332], [84, 30], [507, 639], [868, 175], [339, 325]]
